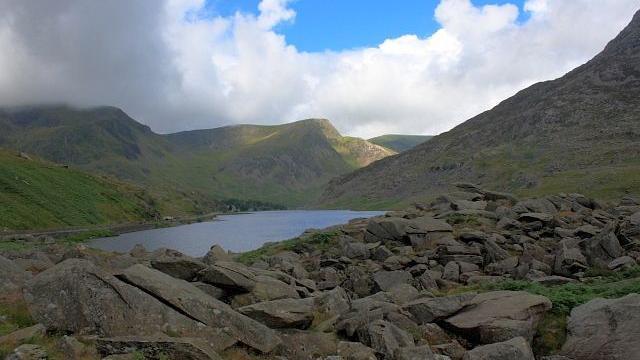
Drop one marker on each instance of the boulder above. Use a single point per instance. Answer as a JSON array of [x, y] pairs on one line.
[[180, 267], [353, 249], [385, 338], [28, 352], [355, 351], [414, 353], [158, 347], [428, 233], [283, 313], [451, 271], [623, 262], [428, 310], [22, 335], [516, 348], [386, 280], [499, 316], [187, 299], [601, 249], [229, 275], [604, 329], [266, 289], [386, 229], [216, 253], [12, 277], [569, 259]]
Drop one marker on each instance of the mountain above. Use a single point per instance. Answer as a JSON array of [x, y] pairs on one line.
[[190, 172], [399, 143], [36, 195], [578, 133]]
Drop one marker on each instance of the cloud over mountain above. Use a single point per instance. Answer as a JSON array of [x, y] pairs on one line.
[[175, 66]]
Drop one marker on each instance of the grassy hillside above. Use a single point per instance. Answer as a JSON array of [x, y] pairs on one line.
[[579, 133], [195, 171], [399, 143], [39, 195]]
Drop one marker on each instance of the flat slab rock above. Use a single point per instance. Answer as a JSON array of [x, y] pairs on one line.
[[516, 348], [499, 316]]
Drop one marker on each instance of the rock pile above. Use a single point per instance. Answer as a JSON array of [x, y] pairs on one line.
[[382, 290]]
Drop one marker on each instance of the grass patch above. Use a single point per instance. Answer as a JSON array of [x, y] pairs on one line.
[[317, 241], [16, 316]]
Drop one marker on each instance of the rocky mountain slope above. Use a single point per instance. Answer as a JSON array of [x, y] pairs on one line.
[[35, 194], [399, 143], [474, 275], [579, 132], [284, 164]]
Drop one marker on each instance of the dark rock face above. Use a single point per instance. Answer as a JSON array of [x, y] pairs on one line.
[[604, 329]]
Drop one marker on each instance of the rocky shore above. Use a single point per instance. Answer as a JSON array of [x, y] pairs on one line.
[[474, 275]]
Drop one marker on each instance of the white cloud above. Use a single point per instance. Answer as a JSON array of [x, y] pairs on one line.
[[174, 69]]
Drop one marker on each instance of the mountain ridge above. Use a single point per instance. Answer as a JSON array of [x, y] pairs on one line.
[[575, 133], [284, 164]]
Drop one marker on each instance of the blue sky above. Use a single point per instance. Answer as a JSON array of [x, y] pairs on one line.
[[346, 24]]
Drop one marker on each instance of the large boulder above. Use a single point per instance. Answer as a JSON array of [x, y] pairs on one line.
[[516, 348], [179, 266], [266, 289], [197, 305], [77, 297], [499, 316], [604, 329], [355, 351], [386, 229], [216, 253], [428, 310], [283, 313], [601, 249], [386, 280], [385, 338], [428, 233], [12, 277], [229, 275], [158, 347]]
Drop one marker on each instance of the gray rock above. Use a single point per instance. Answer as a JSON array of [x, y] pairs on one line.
[[516, 348], [229, 275], [353, 249], [12, 276], [499, 316], [415, 353], [428, 310], [531, 217], [283, 313], [554, 280], [28, 352], [451, 271], [381, 253], [180, 267], [266, 288], [569, 260], [195, 304], [604, 329], [623, 262], [386, 338], [355, 351], [386, 280], [216, 253], [601, 249], [155, 347], [386, 229], [22, 335]]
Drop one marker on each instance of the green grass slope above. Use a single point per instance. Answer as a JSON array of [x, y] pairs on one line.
[[199, 171], [40, 195], [399, 143]]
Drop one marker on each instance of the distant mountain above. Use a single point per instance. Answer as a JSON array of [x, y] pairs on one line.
[[37, 195], [579, 133], [399, 143], [282, 165]]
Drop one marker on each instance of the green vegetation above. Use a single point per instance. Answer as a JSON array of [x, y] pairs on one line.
[[552, 329], [399, 143], [40, 195], [317, 241]]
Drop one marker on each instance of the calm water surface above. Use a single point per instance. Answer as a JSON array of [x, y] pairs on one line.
[[237, 233]]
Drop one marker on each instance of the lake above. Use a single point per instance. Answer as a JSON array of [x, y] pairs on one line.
[[238, 233]]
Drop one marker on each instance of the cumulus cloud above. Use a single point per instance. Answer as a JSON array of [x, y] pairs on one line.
[[175, 67]]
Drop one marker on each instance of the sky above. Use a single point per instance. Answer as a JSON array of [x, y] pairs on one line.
[[371, 67]]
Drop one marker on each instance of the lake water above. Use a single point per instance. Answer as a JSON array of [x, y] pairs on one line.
[[241, 232]]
